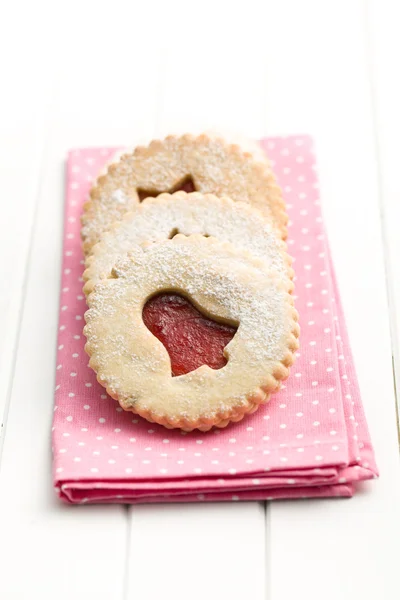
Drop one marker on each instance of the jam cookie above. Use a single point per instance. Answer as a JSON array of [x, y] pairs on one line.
[[224, 283], [203, 163], [165, 216]]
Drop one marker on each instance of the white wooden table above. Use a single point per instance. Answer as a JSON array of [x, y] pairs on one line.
[[86, 73]]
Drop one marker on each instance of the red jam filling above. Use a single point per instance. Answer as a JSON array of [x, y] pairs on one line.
[[190, 338], [186, 184]]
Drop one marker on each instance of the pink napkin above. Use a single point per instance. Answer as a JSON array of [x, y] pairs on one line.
[[311, 440]]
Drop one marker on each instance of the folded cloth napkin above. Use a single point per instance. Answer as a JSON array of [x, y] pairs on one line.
[[310, 440]]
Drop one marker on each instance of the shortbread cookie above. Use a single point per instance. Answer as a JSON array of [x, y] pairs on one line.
[[205, 164], [225, 284], [165, 216]]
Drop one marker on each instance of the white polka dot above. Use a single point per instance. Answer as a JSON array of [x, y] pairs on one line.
[[88, 384], [69, 418], [232, 440], [99, 437], [316, 423], [313, 362], [103, 396], [329, 369], [282, 406], [299, 414], [311, 323], [66, 434], [266, 452], [197, 470], [282, 426], [81, 443], [77, 459], [315, 402], [132, 439], [332, 410], [308, 285], [313, 343], [314, 383], [300, 449], [128, 470], [284, 459], [256, 481], [310, 304], [59, 367], [331, 389], [84, 429], [59, 470], [73, 374], [342, 480], [75, 355], [318, 457], [146, 462], [249, 428], [77, 337], [300, 436], [62, 450], [86, 406], [328, 349], [117, 430], [232, 471], [102, 420], [94, 470], [249, 447], [266, 438], [199, 441], [290, 481], [197, 454], [163, 471], [324, 292], [335, 448], [165, 441]]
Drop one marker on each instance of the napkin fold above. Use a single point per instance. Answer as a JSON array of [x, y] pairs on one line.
[[310, 440]]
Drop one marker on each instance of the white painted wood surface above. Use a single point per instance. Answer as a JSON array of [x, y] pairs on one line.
[[96, 74]]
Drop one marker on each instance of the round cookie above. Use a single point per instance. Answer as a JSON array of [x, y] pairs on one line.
[[227, 285], [203, 163], [165, 216]]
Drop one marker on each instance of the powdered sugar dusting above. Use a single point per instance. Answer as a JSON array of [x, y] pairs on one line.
[[215, 167], [158, 218], [227, 284]]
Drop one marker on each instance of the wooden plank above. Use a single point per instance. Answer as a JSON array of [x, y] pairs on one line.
[[23, 127], [384, 48], [221, 546], [66, 552], [74, 543], [318, 83]]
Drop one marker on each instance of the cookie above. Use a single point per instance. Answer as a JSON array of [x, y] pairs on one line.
[[204, 163], [165, 216], [227, 285]]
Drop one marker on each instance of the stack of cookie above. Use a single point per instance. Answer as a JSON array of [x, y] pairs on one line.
[[191, 321]]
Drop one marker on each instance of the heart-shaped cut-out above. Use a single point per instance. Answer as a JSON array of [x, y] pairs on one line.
[[190, 338]]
